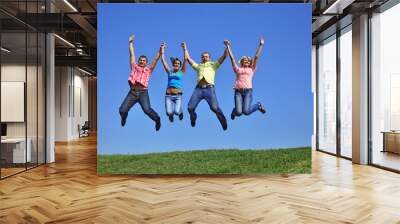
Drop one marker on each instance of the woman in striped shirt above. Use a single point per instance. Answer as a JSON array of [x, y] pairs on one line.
[[243, 84]]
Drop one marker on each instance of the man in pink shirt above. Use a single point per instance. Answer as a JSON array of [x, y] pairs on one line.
[[139, 81], [244, 83]]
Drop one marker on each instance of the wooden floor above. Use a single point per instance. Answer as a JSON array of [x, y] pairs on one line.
[[10, 171], [387, 159], [69, 191]]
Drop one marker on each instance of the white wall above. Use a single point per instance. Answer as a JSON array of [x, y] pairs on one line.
[[80, 89], [71, 93], [13, 100], [61, 103], [34, 125], [13, 73]]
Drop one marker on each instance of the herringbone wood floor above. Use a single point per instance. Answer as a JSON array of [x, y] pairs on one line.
[[69, 191]]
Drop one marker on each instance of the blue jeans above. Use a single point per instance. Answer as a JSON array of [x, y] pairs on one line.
[[209, 95], [243, 98], [134, 96], [173, 104]]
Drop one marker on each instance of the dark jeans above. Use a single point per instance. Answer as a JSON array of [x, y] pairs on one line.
[[209, 95], [243, 98], [133, 97]]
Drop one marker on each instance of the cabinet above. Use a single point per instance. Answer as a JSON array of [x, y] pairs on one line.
[[391, 142]]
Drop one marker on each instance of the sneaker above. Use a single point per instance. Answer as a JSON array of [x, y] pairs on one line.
[[180, 116], [193, 119], [171, 118], [224, 127], [232, 116], [158, 124], [123, 121], [261, 108]]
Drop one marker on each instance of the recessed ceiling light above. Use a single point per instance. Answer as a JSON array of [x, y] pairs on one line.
[[64, 40], [5, 50], [70, 5], [338, 6], [84, 71]]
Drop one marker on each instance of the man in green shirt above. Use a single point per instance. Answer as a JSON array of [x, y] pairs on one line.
[[205, 86]]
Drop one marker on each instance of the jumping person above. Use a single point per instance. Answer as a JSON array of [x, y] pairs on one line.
[[173, 93], [139, 81], [205, 86], [243, 84]]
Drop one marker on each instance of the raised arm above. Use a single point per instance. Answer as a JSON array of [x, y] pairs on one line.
[[131, 50], [228, 45], [162, 48], [154, 62], [260, 46], [222, 58], [185, 58]]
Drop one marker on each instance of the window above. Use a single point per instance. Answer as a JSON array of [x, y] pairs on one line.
[[385, 88], [346, 92], [327, 95]]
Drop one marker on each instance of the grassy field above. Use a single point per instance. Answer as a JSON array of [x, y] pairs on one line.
[[229, 161]]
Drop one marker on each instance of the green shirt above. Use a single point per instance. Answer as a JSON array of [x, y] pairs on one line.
[[206, 70]]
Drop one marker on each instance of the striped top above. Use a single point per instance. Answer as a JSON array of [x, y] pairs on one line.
[[140, 75]]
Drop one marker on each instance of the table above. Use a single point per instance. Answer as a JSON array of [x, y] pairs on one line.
[[13, 150], [391, 141]]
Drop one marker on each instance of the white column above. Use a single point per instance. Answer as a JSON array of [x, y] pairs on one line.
[[50, 110], [314, 92], [50, 92], [360, 90]]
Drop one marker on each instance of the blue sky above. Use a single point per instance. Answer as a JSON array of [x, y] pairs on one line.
[[282, 81]]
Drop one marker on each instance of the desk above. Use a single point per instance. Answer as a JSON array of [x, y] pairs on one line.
[[13, 150], [391, 141]]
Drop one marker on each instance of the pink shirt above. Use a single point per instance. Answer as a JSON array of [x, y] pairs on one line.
[[244, 77], [139, 75]]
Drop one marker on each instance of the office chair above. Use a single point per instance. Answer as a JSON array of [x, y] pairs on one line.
[[84, 130]]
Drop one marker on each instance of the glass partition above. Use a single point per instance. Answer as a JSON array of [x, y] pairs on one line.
[[22, 64], [327, 95], [385, 88], [14, 153]]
